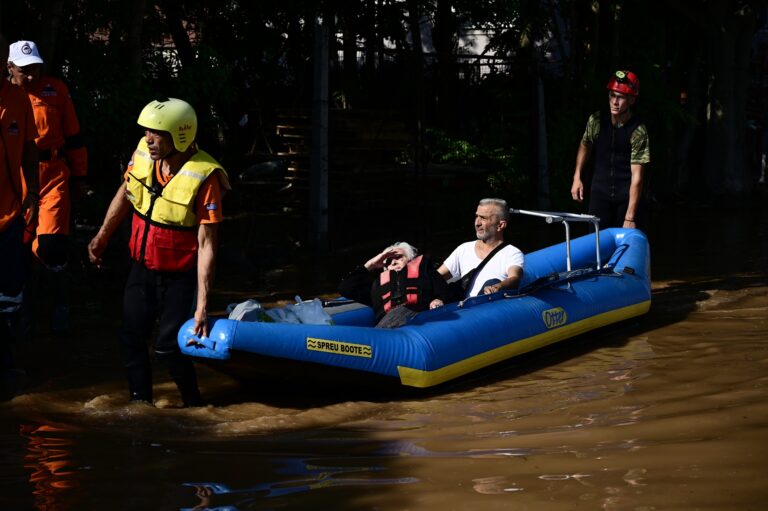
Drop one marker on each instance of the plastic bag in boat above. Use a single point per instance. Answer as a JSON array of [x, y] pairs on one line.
[[249, 310], [282, 315], [310, 312]]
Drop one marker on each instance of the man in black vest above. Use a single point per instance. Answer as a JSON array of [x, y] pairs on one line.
[[619, 140]]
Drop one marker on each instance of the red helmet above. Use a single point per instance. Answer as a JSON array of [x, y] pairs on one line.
[[625, 82]]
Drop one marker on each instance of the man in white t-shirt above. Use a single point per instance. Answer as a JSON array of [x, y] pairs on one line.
[[503, 271]]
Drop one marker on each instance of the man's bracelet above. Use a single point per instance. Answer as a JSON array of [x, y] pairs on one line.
[[629, 219]]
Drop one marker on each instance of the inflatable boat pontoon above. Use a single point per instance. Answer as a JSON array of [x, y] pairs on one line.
[[568, 289]]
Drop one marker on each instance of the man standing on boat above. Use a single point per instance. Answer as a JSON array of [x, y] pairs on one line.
[[619, 140], [488, 264], [174, 190]]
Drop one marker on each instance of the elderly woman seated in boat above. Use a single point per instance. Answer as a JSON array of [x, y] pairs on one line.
[[397, 283]]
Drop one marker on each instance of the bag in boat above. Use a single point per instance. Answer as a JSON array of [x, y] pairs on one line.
[[310, 312], [282, 315], [249, 310]]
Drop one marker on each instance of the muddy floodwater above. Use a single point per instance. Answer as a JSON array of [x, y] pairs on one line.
[[666, 412]]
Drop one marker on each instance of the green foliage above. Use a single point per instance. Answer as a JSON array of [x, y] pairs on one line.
[[444, 149], [508, 179], [504, 174]]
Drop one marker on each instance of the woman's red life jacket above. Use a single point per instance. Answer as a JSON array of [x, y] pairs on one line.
[[390, 286]]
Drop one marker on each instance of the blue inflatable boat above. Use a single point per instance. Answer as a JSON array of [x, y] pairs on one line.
[[568, 289]]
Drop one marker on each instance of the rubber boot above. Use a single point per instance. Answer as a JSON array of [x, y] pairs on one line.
[[24, 324], [7, 383], [10, 376], [183, 373], [59, 279], [139, 383]]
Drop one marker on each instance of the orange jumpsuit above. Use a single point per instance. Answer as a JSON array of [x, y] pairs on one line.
[[16, 123], [62, 154], [16, 130]]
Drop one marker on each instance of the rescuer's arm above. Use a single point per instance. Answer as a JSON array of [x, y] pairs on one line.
[[582, 156], [208, 240], [116, 213], [635, 191]]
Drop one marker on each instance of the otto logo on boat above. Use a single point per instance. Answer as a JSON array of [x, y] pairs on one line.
[[340, 348], [554, 317]]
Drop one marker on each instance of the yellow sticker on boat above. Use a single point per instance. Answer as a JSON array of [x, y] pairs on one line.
[[554, 317], [339, 348]]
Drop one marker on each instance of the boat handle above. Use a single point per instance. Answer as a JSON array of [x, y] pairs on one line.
[[552, 217]]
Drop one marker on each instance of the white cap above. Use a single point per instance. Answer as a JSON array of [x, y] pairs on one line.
[[23, 53]]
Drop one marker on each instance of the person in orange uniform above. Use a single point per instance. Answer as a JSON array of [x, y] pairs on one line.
[[174, 191], [19, 194], [63, 162]]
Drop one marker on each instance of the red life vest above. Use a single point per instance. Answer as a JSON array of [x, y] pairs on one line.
[[162, 247], [389, 286]]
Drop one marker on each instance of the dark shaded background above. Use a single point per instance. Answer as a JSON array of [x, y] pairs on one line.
[[417, 133]]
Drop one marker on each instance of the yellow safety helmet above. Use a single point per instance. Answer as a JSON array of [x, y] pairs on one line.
[[175, 116]]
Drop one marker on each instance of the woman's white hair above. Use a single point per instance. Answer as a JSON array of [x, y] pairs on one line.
[[410, 250]]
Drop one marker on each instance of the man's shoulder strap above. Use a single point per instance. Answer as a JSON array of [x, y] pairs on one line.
[[489, 257], [472, 276], [491, 254]]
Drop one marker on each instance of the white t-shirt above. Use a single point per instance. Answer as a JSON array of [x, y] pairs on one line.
[[464, 259]]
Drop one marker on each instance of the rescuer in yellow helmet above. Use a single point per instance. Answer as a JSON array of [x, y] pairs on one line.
[[174, 191]]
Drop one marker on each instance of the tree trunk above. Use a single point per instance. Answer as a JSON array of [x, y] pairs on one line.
[[133, 41], [173, 19], [616, 19], [444, 39], [48, 39], [542, 160], [319, 177], [417, 78], [371, 42], [349, 59], [594, 45], [695, 92], [726, 169]]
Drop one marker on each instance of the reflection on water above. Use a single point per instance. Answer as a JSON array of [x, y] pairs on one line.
[[53, 474], [665, 412], [309, 477]]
